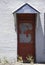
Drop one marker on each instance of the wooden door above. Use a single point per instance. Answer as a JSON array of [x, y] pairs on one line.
[[26, 35]]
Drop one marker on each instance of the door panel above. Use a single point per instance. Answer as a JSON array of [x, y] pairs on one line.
[[26, 35]]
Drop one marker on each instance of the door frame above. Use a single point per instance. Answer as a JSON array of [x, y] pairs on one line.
[[18, 31]]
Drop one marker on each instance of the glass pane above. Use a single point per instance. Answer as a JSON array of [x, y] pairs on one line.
[[25, 38], [25, 26]]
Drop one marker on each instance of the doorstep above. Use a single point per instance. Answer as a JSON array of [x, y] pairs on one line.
[[17, 63]]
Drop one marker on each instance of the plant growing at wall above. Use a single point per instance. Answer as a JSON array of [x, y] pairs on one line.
[[19, 59], [4, 61], [30, 58]]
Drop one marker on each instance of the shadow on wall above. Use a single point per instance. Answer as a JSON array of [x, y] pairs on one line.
[[39, 40], [15, 22], [44, 27], [39, 25]]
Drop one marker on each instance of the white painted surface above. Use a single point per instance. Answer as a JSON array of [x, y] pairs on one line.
[[26, 9], [8, 36], [39, 40]]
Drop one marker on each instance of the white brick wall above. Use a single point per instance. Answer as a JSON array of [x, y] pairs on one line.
[[8, 36]]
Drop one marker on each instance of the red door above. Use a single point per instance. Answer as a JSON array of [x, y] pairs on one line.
[[26, 35]]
